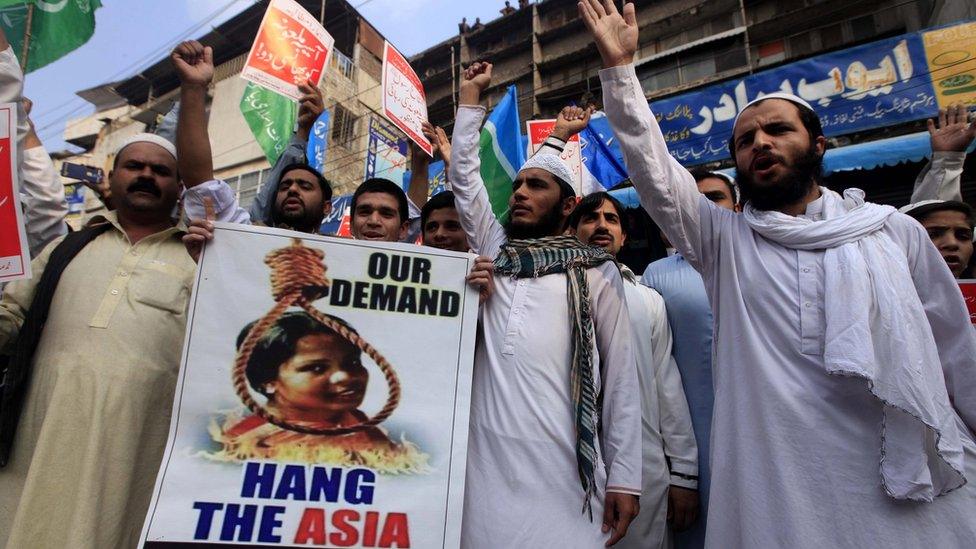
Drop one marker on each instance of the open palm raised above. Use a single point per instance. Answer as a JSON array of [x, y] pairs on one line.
[[615, 35]]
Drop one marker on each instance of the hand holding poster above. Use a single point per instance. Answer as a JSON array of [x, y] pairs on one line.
[[539, 130], [291, 48], [327, 408], [404, 100], [14, 253]]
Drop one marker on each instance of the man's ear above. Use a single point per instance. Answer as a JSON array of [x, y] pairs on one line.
[[327, 208], [569, 204], [404, 227], [821, 144]]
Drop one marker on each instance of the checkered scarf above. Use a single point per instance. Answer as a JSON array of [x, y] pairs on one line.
[[531, 258]]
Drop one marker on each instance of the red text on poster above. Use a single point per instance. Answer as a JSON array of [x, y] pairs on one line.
[[291, 48], [404, 100]]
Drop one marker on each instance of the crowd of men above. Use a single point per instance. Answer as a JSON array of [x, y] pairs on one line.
[[800, 371]]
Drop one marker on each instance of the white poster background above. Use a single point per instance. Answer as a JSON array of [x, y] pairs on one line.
[[404, 100], [294, 55], [539, 130], [432, 356], [15, 261]]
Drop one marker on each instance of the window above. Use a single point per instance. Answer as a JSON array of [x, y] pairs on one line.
[[731, 59], [659, 76], [343, 125], [343, 63], [697, 69], [831, 37]]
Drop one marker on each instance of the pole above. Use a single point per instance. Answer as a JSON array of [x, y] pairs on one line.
[[745, 23], [322, 14], [27, 37]]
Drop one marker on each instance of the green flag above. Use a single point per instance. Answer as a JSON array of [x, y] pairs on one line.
[[271, 117], [58, 27], [501, 151]]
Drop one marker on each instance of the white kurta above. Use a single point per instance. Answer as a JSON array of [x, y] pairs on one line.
[[795, 451], [522, 487], [666, 434]]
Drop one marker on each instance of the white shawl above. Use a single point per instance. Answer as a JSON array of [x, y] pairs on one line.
[[876, 329]]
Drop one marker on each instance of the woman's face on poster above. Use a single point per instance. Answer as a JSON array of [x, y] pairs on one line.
[[324, 375]]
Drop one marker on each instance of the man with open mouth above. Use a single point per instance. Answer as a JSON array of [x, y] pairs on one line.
[[669, 496], [845, 390]]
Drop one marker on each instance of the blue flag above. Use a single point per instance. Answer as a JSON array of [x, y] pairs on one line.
[[317, 139], [601, 155]]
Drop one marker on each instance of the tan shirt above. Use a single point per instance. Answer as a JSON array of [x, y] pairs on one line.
[[96, 416]]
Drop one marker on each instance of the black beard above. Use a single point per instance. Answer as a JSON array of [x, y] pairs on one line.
[[304, 222], [789, 189], [549, 225]]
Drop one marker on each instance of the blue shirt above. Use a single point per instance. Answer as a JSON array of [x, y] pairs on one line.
[[690, 317]]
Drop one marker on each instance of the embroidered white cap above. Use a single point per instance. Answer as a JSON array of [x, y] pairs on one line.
[[795, 99], [554, 165], [148, 138]]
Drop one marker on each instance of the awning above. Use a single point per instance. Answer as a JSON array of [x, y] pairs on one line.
[[914, 147]]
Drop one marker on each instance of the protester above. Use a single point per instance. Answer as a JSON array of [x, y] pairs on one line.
[[41, 193], [937, 197], [690, 318], [845, 386], [96, 408], [441, 224], [668, 440], [533, 431], [949, 223], [950, 135], [379, 211], [418, 188]]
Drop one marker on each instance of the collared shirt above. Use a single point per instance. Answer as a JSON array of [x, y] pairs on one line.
[[796, 452], [522, 487], [96, 415]]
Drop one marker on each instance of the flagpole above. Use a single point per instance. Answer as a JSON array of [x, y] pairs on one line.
[[27, 37], [322, 14]]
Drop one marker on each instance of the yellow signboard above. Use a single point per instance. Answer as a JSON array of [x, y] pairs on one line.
[[951, 55]]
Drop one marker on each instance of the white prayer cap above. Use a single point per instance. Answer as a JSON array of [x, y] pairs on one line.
[[731, 181], [795, 99], [148, 138], [554, 165], [922, 208]]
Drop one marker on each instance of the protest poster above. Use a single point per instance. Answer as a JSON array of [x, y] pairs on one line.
[[291, 47], [386, 152], [318, 142], [539, 130], [329, 407], [968, 287], [14, 253], [404, 100]]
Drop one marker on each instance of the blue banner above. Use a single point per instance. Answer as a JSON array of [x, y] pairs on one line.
[[317, 142], [869, 86]]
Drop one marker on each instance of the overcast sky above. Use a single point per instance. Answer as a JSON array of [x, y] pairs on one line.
[[131, 35]]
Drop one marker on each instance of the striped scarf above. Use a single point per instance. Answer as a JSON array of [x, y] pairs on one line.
[[531, 258]]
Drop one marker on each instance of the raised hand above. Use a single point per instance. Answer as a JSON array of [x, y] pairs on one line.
[[954, 132], [615, 35], [571, 121], [193, 63], [310, 106], [476, 78]]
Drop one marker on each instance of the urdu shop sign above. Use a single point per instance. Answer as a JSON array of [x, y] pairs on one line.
[[886, 82]]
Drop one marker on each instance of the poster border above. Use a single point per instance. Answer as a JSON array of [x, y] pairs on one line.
[[455, 451]]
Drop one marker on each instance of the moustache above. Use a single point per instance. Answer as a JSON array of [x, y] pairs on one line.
[[145, 185]]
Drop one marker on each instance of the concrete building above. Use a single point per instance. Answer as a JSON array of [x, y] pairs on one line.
[[545, 50], [351, 89]]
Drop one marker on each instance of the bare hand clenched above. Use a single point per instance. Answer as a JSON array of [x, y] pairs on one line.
[[194, 63]]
